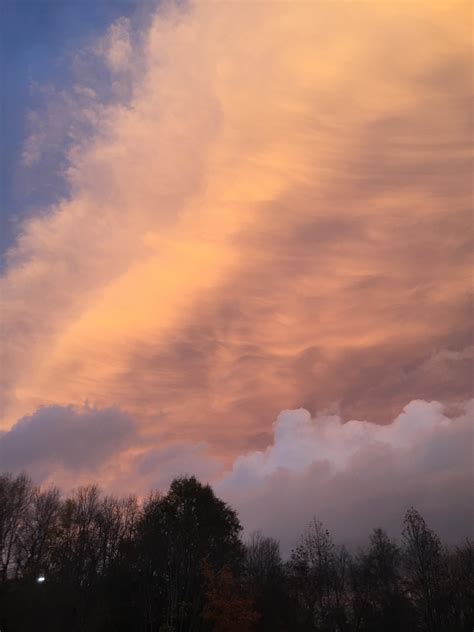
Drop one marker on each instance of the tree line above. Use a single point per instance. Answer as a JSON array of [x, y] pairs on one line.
[[176, 562]]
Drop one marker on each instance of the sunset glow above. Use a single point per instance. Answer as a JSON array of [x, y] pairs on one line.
[[253, 208]]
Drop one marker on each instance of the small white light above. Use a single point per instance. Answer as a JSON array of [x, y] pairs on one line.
[[40, 579]]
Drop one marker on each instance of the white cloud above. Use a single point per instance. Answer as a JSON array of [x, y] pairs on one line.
[[358, 475]]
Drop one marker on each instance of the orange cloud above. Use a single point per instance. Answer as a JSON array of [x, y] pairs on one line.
[[276, 217]]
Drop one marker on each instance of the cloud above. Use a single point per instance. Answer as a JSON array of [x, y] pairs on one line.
[[71, 446], [56, 438], [357, 475], [116, 46], [156, 467], [352, 475], [266, 209]]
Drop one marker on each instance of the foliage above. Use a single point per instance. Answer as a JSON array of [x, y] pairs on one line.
[[176, 563]]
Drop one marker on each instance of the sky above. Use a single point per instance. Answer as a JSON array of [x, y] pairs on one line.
[[237, 242]]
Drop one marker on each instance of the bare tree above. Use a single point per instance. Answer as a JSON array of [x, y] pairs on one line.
[[377, 597], [265, 581], [425, 571], [313, 569], [37, 537], [16, 494]]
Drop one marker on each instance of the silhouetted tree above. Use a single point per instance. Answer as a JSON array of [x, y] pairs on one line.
[[16, 494], [426, 572], [38, 536], [460, 596], [264, 578], [177, 532], [377, 596], [313, 570], [225, 605], [175, 563]]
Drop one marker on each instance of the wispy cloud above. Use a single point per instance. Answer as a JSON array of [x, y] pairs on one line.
[[268, 211]]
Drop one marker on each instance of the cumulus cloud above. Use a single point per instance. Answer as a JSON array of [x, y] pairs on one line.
[[352, 475], [266, 210], [357, 475]]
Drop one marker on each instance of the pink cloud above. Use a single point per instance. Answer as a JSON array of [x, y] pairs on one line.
[[274, 217]]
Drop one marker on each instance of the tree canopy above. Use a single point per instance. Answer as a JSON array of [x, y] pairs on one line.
[[176, 562]]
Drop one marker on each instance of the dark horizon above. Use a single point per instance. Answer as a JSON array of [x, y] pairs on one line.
[[177, 561]]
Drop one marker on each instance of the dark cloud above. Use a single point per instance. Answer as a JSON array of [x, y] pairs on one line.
[[57, 437]]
